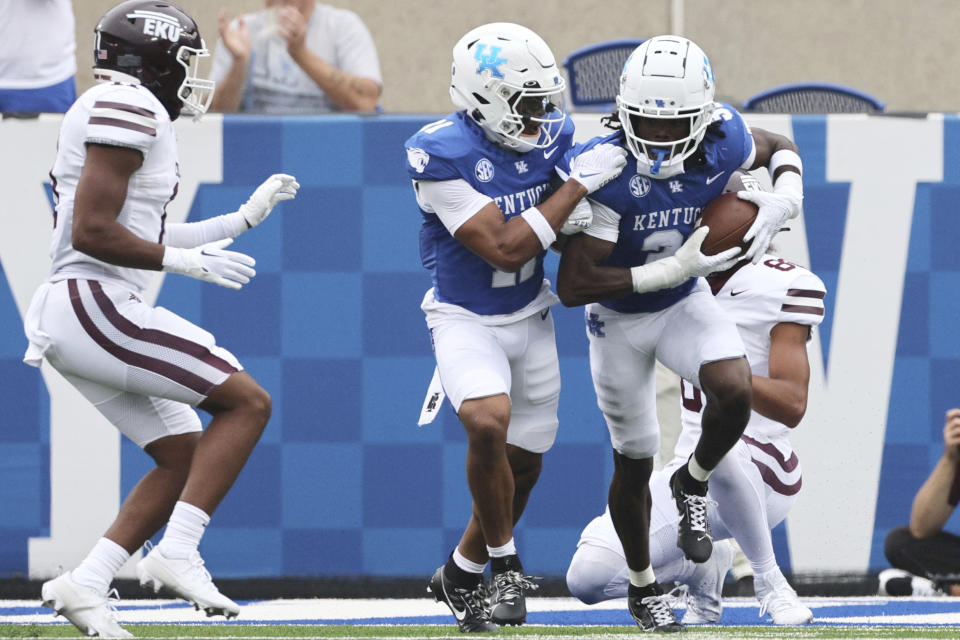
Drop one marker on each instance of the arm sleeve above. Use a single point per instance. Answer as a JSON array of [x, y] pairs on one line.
[[454, 201], [606, 222], [186, 235]]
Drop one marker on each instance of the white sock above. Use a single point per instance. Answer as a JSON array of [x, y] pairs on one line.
[[696, 471], [642, 578], [100, 565], [509, 549], [184, 530], [466, 563]]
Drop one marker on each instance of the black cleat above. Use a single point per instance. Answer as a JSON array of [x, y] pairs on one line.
[[693, 534], [508, 604], [651, 610], [466, 603]]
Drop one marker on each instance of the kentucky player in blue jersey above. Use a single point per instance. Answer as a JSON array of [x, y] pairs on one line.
[[481, 177], [636, 268]]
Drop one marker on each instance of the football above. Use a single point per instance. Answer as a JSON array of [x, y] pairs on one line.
[[729, 218]]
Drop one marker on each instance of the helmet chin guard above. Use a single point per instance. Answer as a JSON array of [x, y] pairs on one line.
[[507, 79]]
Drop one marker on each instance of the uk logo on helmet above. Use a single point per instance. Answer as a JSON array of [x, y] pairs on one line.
[[489, 62], [158, 24]]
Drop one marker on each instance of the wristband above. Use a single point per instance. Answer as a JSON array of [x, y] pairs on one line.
[[782, 158], [789, 183], [659, 274], [540, 226]]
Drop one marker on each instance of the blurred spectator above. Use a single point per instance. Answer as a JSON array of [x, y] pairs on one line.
[[926, 559], [37, 56], [297, 56]]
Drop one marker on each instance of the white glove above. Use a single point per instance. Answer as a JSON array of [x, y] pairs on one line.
[[274, 189], [211, 263], [598, 166], [579, 219], [688, 262], [775, 210]]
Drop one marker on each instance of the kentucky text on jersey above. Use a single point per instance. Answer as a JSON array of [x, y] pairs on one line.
[[666, 218], [514, 203], [456, 148], [656, 215]]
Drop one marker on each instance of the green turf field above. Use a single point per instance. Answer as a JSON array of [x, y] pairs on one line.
[[278, 632]]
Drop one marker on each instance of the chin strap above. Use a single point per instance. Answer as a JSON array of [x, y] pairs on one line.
[[657, 170]]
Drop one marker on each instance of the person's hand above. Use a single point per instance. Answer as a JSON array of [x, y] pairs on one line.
[[211, 263], [774, 210], [951, 435], [688, 262], [276, 188], [579, 219], [235, 39], [292, 27], [695, 264], [598, 165]]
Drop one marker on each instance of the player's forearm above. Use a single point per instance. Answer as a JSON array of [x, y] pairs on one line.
[[186, 235], [780, 400], [581, 281], [535, 229], [930, 507], [229, 91], [348, 92], [115, 244]]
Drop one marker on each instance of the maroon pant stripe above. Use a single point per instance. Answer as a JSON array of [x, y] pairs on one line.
[[772, 481], [177, 374], [155, 336], [788, 464]]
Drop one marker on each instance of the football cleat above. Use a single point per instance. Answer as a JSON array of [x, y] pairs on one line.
[[468, 604], [651, 610], [705, 595], [508, 604], [86, 608], [186, 578], [693, 531], [778, 599]]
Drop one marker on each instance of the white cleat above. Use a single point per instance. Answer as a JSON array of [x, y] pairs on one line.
[[705, 586], [778, 598], [186, 578], [896, 582], [86, 608]]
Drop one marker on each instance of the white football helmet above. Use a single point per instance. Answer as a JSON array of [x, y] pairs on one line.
[[506, 78], [666, 77]]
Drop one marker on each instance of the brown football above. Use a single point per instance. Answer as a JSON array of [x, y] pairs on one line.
[[729, 218]]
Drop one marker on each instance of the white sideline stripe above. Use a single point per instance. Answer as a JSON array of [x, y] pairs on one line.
[[279, 611]]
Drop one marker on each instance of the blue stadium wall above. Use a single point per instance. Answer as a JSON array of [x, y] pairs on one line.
[[344, 482]]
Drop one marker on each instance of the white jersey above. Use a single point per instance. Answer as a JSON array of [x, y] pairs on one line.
[[122, 115], [757, 298], [38, 45]]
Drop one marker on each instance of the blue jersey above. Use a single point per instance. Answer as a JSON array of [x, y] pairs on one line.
[[658, 215], [456, 148]]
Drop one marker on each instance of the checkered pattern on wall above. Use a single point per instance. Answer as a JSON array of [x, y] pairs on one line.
[[344, 482]]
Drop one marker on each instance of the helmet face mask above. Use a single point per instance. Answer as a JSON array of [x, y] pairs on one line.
[[506, 78], [159, 45], [665, 103]]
